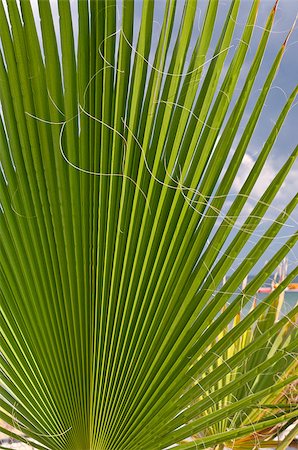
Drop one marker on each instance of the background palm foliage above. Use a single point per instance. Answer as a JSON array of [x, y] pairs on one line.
[[116, 171], [278, 401]]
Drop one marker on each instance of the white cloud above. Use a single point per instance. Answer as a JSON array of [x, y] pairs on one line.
[[265, 178], [289, 187]]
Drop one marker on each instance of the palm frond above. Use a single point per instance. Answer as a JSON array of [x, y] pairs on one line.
[[120, 149]]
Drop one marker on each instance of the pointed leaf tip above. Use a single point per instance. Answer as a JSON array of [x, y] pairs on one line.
[[275, 5], [290, 32]]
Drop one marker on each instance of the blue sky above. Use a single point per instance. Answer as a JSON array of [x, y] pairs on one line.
[[283, 85]]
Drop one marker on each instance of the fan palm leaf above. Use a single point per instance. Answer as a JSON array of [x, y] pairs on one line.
[[120, 150]]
